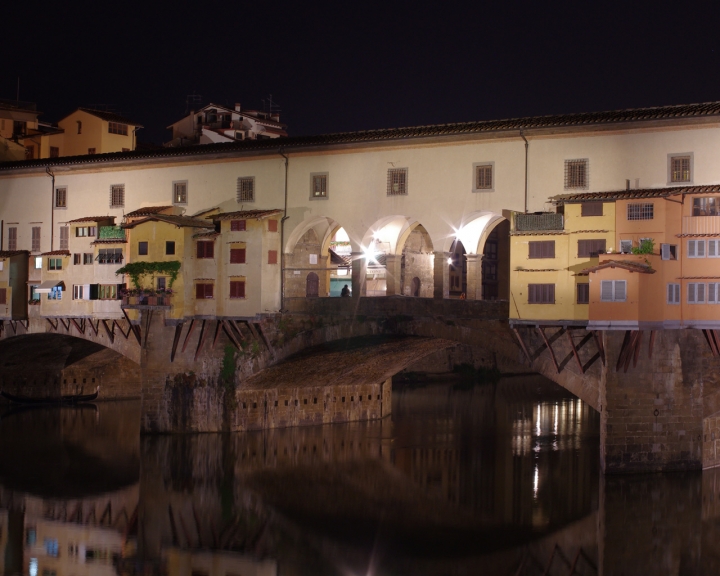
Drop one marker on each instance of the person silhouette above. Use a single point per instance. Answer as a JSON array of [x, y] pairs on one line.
[[345, 291]]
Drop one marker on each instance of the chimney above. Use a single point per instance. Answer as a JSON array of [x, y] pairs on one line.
[[237, 106]]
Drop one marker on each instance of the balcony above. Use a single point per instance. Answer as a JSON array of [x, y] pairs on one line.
[[701, 225], [111, 233], [146, 300], [537, 222]]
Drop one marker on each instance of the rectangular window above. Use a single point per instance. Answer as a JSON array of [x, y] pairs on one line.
[[483, 177], [713, 293], [626, 246], [54, 263], [237, 225], [110, 256], [680, 169], [54, 152], [713, 248], [142, 248], [319, 185], [170, 248], [272, 256], [640, 211], [87, 258], [91, 150], [161, 283], [696, 249], [673, 293], [38, 262], [541, 249], [583, 293], [613, 290], [237, 255], [180, 192], [107, 292], [79, 126], [78, 292], [77, 259], [272, 225], [591, 209], [12, 238], [246, 189], [61, 197], [237, 289], [205, 249], [541, 293], [64, 237], [706, 206], [577, 174], [668, 251], [117, 128], [55, 293], [397, 182], [117, 196], [204, 291], [696, 293], [36, 239], [3, 295], [29, 152], [591, 248]]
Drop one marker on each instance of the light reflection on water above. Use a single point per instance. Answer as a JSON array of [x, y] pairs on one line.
[[485, 480]]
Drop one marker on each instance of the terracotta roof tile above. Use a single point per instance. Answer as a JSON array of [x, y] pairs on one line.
[[624, 264], [638, 194], [339, 259], [11, 253], [246, 214], [179, 221], [683, 111], [110, 241], [147, 210], [56, 253], [212, 234], [92, 219]]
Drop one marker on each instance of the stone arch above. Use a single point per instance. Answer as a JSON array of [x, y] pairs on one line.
[[415, 252]]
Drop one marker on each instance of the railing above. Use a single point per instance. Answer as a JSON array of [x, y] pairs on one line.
[[701, 225], [111, 233], [533, 222]]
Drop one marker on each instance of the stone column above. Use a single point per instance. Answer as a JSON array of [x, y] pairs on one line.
[[324, 275], [359, 274], [392, 274], [441, 276], [474, 276]]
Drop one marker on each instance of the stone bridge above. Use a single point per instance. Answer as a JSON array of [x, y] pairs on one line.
[[657, 393]]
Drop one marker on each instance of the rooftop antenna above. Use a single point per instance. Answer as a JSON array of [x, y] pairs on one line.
[[269, 106], [192, 102]]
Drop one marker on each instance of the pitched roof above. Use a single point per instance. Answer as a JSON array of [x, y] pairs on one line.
[[339, 259], [147, 210], [11, 253], [179, 221], [560, 121], [104, 115], [56, 253], [209, 234], [638, 194], [92, 219], [246, 214], [624, 264], [110, 241]]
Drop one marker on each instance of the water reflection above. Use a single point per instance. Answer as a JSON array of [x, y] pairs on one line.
[[489, 480]]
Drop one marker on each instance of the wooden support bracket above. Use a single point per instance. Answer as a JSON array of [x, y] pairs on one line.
[[637, 347], [13, 325], [125, 333], [66, 324], [178, 332], [110, 333], [134, 329], [78, 326], [187, 336], [522, 345], [575, 352], [94, 327], [623, 350], [54, 326], [549, 346], [227, 328], [148, 320], [217, 333], [201, 340]]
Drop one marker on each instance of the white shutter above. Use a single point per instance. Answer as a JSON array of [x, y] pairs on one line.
[[619, 291], [691, 248], [665, 251], [700, 248], [712, 299], [670, 293], [677, 293], [606, 290], [713, 249], [86, 291], [700, 293], [691, 293]]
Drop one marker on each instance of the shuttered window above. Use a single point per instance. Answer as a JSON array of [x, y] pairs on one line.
[[319, 185], [591, 209], [583, 293], [204, 291], [713, 248], [64, 237], [696, 249], [237, 255], [668, 251], [590, 248], [484, 177], [12, 238], [237, 225], [180, 190], [713, 293], [541, 249], [3, 295], [61, 197], [272, 225], [680, 169], [77, 259], [272, 256], [237, 289], [205, 249], [541, 293], [613, 290], [696, 293], [35, 239], [673, 293]]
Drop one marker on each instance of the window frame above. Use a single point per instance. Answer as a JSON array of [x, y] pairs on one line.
[[586, 289], [120, 190], [118, 128], [167, 248], [477, 166], [35, 242], [241, 254], [713, 245], [391, 174], [541, 249], [642, 208], [671, 172], [239, 193], [238, 225], [272, 257], [244, 292], [713, 287], [694, 253], [58, 204], [614, 298], [12, 237], [55, 264], [143, 248], [571, 180], [669, 250], [532, 296], [202, 253], [585, 207], [175, 185], [204, 290], [631, 246], [676, 297], [326, 193], [696, 207], [692, 290], [591, 243]]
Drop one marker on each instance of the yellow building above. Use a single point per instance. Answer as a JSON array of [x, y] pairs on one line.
[[88, 131], [548, 251]]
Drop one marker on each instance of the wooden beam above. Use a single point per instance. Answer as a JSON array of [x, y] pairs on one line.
[[522, 345], [187, 336], [135, 329], [575, 353], [110, 333], [77, 326], [711, 342], [547, 343], [651, 343], [95, 327], [107, 512], [217, 333], [125, 333], [148, 320], [227, 328], [201, 339], [173, 528], [623, 350], [54, 326], [178, 332], [235, 325], [195, 514], [66, 326], [591, 361], [716, 337], [637, 347], [630, 350]]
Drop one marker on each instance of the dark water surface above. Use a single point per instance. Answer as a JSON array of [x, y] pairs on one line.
[[497, 479]]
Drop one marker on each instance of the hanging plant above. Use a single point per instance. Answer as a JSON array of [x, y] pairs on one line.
[[137, 270]]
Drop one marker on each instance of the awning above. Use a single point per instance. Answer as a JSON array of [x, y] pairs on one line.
[[47, 286]]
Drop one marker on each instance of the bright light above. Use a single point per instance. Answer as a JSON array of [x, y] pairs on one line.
[[342, 272], [450, 261], [369, 254], [536, 481], [33, 566]]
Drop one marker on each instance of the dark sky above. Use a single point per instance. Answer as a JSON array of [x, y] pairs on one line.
[[337, 66]]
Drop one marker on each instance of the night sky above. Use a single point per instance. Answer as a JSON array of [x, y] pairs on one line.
[[338, 66]]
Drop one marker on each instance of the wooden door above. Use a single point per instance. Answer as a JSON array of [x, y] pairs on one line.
[[312, 285]]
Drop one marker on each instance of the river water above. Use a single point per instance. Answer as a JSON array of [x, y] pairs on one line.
[[498, 478]]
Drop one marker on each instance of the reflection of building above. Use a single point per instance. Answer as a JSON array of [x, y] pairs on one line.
[[216, 563]]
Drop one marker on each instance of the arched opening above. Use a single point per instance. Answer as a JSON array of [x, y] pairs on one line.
[[457, 275], [416, 263], [415, 287], [312, 285], [496, 262], [340, 259]]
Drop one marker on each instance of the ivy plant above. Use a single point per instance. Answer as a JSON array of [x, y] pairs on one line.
[[138, 270], [647, 246]]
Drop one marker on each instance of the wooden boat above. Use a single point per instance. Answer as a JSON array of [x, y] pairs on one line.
[[67, 399]]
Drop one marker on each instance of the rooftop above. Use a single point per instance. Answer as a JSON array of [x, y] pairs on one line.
[[179, 221], [146, 211], [92, 219], [105, 115], [624, 264], [56, 253], [246, 214], [562, 121], [638, 193], [11, 253]]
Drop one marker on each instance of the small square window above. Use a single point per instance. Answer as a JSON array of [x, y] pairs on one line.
[[87, 258], [170, 247], [142, 248], [397, 182], [237, 255], [180, 192], [680, 168], [640, 211], [591, 209], [204, 291], [238, 225], [205, 249], [483, 177], [583, 293], [117, 196], [577, 174], [319, 185], [237, 289]]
